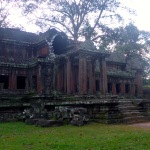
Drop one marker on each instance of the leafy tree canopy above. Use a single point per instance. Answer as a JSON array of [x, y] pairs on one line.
[[71, 16], [131, 41]]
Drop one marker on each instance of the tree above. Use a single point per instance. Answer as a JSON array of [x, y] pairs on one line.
[[131, 41], [71, 16], [5, 12]]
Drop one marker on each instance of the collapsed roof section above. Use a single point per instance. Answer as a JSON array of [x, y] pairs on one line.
[[57, 40]]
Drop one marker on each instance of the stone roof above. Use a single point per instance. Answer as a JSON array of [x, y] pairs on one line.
[[87, 44], [17, 35], [120, 73], [117, 57], [16, 61], [134, 63]]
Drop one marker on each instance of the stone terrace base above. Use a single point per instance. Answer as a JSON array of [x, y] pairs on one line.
[[100, 109]]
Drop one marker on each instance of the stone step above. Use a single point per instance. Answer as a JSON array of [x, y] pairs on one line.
[[127, 108], [135, 122], [125, 103], [134, 119], [131, 114], [122, 105]]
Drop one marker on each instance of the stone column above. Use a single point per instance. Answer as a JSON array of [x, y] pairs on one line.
[[13, 81], [122, 88], [65, 78], [132, 89], [91, 77], [58, 86], [30, 82], [103, 76], [82, 78], [39, 82], [138, 83], [70, 79]]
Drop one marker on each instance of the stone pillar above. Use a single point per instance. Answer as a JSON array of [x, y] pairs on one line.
[[65, 78], [132, 89], [122, 88], [138, 83], [13, 81], [39, 82], [103, 76], [58, 85], [91, 77], [70, 79], [29, 81], [82, 78], [54, 77], [10, 82]]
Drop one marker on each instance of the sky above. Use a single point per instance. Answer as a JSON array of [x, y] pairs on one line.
[[141, 19], [142, 8]]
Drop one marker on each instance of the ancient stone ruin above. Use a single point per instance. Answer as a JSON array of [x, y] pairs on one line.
[[59, 72]]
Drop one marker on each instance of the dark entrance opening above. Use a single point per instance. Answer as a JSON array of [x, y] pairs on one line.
[[109, 86], [4, 80], [127, 88], [97, 85], [59, 44], [136, 90], [21, 82], [118, 88]]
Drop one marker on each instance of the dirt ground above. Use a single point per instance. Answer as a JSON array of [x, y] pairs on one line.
[[142, 125]]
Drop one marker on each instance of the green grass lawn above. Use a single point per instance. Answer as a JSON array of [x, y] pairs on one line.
[[94, 136]]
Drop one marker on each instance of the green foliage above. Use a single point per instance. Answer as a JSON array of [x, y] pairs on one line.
[[130, 41], [146, 83], [16, 136]]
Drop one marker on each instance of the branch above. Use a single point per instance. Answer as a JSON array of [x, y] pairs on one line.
[[100, 14], [62, 24]]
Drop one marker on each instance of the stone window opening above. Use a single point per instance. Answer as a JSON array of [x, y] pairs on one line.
[[109, 86], [127, 88], [4, 81], [118, 88], [97, 85], [21, 82]]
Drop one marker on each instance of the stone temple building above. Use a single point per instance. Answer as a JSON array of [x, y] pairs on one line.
[[50, 62]]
